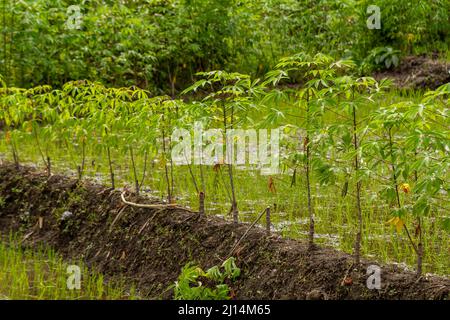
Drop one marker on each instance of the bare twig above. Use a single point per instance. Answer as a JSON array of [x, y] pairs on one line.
[[246, 232], [153, 206], [147, 222], [119, 214]]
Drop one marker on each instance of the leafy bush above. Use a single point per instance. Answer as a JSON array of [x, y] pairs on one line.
[[196, 284], [161, 44], [381, 58], [152, 45], [411, 26]]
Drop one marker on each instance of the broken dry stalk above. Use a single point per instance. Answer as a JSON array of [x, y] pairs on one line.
[[153, 206], [268, 221], [245, 233]]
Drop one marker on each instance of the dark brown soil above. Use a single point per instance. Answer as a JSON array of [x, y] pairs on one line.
[[418, 72], [149, 246]]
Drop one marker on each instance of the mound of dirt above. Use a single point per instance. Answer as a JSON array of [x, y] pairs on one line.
[[150, 246], [418, 73]]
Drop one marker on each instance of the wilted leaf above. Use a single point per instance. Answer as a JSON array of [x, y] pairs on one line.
[[271, 185], [8, 136], [397, 223], [405, 187]]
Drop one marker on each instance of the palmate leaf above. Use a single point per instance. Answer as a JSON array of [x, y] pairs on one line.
[[323, 171], [231, 270], [215, 274], [388, 193], [193, 88], [343, 64], [442, 91], [429, 185], [421, 207], [273, 116], [275, 97], [274, 77]]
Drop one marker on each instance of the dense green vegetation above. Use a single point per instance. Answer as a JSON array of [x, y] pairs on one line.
[[97, 88], [42, 274], [161, 44], [386, 155]]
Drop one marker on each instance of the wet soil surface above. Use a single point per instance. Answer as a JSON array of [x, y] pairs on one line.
[[150, 246], [418, 72]]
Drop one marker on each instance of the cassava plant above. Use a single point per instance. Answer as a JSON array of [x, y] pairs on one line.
[[413, 144], [316, 75], [350, 95], [228, 95]]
